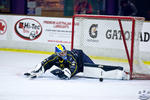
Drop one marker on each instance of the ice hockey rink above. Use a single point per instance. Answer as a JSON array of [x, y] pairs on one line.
[[14, 86]]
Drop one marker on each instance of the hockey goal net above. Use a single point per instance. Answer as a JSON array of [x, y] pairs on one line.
[[113, 38]]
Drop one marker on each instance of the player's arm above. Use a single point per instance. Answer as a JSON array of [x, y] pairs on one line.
[[41, 67], [49, 62], [72, 65]]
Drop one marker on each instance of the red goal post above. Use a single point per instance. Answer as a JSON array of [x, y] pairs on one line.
[[130, 47]]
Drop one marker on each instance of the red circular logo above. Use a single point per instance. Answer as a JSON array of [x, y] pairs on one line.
[[28, 29]]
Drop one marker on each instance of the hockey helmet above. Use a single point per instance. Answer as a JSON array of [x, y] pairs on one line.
[[61, 51]]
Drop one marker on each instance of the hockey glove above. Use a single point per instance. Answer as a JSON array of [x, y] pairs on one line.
[[67, 73], [62, 74], [37, 71]]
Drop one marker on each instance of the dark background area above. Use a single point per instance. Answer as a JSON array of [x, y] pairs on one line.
[[65, 8]]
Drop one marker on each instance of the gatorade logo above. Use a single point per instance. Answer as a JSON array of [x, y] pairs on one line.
[[93, 33], [93, 30], [28, 29]]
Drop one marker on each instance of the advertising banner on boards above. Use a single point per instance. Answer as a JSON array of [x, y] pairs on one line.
[[39, 29], [58, 30]]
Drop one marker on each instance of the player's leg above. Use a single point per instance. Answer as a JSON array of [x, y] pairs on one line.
[[82, 58], [104, 71], [86, 59]]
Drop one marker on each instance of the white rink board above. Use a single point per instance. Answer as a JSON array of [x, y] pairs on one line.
[[35, 33], [4, 26], [54, 31], [145, 45]]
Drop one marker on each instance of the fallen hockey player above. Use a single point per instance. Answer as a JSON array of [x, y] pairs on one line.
[[67, 64]]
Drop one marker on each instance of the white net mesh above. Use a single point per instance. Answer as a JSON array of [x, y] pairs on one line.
[[100, 37], [140, 70]]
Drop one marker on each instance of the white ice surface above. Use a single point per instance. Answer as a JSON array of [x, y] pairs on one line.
[[14, 86]]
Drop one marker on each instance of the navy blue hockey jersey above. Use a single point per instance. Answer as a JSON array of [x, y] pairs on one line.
[[75, 60]]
